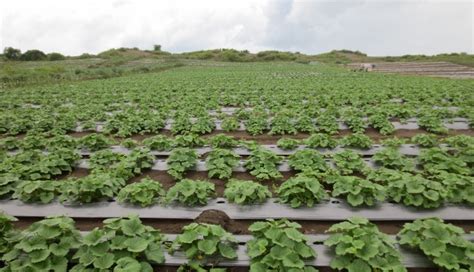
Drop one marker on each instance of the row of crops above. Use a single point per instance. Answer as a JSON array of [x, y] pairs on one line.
[[125, 244], [265, 145]]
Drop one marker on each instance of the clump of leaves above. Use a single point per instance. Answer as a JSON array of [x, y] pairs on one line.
[[223, 141], [129, 143], [432, 123], [144, 193], [435, 159], [425, 140], [122, 244], [9, 143], [42, 191], [360, 246], [191, 192], [203, 125], [391, 158], [288, 143], [459, 141], [246, 192], [6, 232], [327, 123], [307, 160], [381, 122], [44, 246], [301, 190], [205, 243], [182, 124], [279, 246], [262, 164], [415, 190], [95, 142], [320, 140], [188, 140], [460, 188], [441, 242], [393, 142], [104, 159], [181, 160], [357, 191], [220, 162], [159, 143], [282, 124], [230, 124], [349, 162], [8, 184], [61, 141], [257, 123], [97, 186], [357, 140]]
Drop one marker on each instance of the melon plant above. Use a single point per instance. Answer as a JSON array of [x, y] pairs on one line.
[[205, 243], [278, 245], [44, 246], [122, 244], [441, 242], [359, 246]]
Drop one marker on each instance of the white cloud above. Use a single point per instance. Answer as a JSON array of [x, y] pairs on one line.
[[383, 27]]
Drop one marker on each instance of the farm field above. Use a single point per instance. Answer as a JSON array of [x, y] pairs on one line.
[[435, 69], [220, 166]]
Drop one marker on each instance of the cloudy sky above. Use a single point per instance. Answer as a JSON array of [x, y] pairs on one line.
[[377, 27]]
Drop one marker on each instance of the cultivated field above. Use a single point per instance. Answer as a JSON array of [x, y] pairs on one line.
[[215, 166], [435, 69]]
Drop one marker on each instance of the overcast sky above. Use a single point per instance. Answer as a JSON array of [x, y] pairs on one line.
[[376, 27]]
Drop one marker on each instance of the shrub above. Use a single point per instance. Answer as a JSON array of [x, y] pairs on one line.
[[246, 192]]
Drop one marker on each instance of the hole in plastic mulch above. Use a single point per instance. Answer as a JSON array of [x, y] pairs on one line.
[[242, 243], [318, 242], [335, 202], [220, 202]]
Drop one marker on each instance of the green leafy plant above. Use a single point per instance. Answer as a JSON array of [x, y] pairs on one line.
[[42, 191], [230, 124], [432, 123], [256, 124], [104, 159], [459, 141], [203, 125], [357, 191], [414, 190], [381, 122], [279, 246], [220, 162], [441, 242], [246, 192], [262, 164], [282, 124], [95, 142], [435, 159], [356, 140], [460, 188], [301, 190], [391, 158], [8, 184], [191, 192], [122, 244], [181, 160], [319, 140], [425, 140], [182, 124], [287, 143], [307, 160], [129, 143], [223, 141], [349, 162], [95, 187], [188, 140], [144, 193], [205, 243], [7, 232], [44, 246], [393, 142], [360, 246], [327, 123], [158, 142]]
